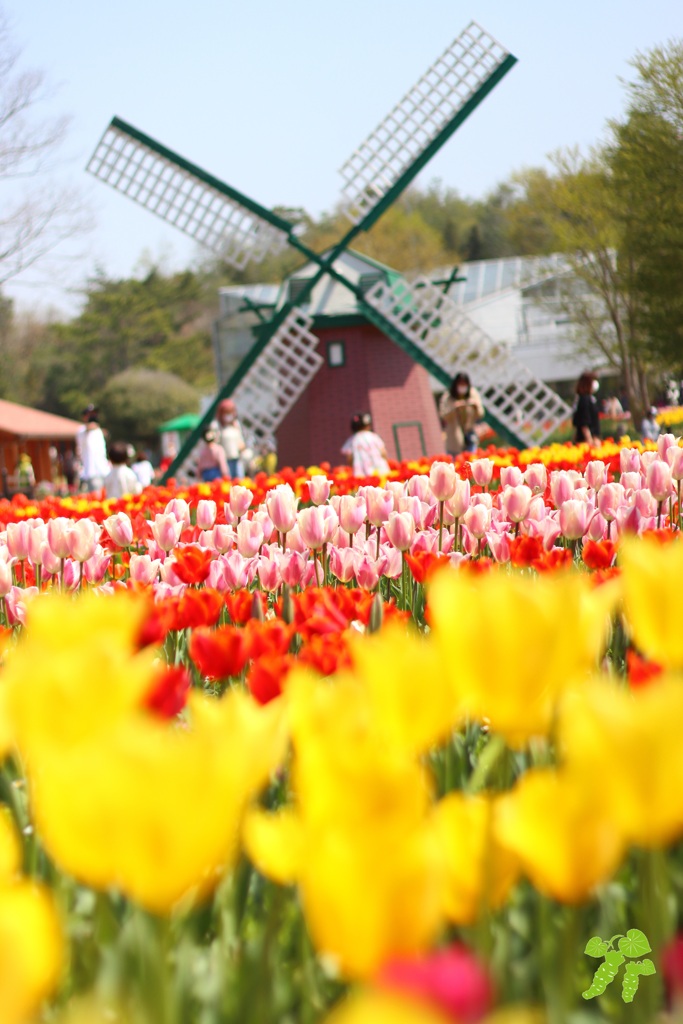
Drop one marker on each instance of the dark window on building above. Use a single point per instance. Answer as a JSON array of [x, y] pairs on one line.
[[296, 287]]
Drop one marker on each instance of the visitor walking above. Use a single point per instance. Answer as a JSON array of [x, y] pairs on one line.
[[91, 449], [231, 437], [365, 450], [649, 427], [460, 410], [586, 418], [211, 461], [26, 478]]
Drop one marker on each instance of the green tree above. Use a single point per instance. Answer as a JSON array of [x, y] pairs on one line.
[[134, 403], [646, 159]]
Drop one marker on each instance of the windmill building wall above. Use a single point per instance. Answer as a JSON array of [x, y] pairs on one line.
[[378, 377]]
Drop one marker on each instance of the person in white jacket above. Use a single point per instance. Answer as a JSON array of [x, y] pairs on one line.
[[91, 450]]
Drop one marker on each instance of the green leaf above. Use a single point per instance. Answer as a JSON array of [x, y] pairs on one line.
[[646, 967], [596, 946], [634, 943]]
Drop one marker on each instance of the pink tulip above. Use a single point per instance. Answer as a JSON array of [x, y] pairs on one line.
[[206, 513], [460, 502], [166, 529], [71, 574], [379, 503], [470, 543], [598, 528], [294, 541], [575, 516], [482, 471], [538, 509], [343, 563], [426, 540], [216, 578], [240, 499], [629, 460], [281, 504], [418, 486], [17, 539], [144, 569], [442, 476], [235, 570], [400, 529], [645, 502], [499, 544], [646, 460], [119, 528], [515, 501], [249, 537], [37, 537], [352, 513], [57, 530], [222, 537], [292, 568], [95, 569], [511, 476], [561, 487], [48, 560], [396, 489], [6, 583], [477, 519], [312, 527], [319, 489], [659, 480], [180, 509], [674, 456], [610, 498], [368, 572], [261, 516], [631, 481], [269, 573], [664, 442], [536, 477], [393, 562], [628, 519], [82, 539], [16, 602], [595, 474]]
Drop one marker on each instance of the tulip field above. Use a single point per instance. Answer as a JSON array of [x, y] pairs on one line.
[[313, 749]]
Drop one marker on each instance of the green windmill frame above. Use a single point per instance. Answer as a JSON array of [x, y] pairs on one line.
[[419, 317]]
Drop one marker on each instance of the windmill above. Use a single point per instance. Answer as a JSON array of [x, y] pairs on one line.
[[418, 316]]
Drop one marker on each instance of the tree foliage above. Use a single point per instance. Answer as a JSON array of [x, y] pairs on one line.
[[135, 402]]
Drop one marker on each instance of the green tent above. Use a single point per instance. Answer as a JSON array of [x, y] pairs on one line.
[[188, 421]]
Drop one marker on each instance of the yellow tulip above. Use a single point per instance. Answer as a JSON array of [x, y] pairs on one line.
[[76, 669], [626, 747], [651, 580], [376, 1007], [359, 841], [561, 832], [30, 935], [413, 698], [513, 644], [479, 871], [155, 809]]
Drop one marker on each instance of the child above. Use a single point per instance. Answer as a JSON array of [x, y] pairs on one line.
[[365, 450], [121, 479]]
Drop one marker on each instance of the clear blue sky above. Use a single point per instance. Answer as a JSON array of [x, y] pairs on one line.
[[273, 96]]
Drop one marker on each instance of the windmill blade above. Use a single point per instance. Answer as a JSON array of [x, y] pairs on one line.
[[205, 208], [386, 162], [434, 325], [279, 374]]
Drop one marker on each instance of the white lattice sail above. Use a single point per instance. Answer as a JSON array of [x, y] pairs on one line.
[[423, 113], [429, 319], [277, 377], [183, 195]]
